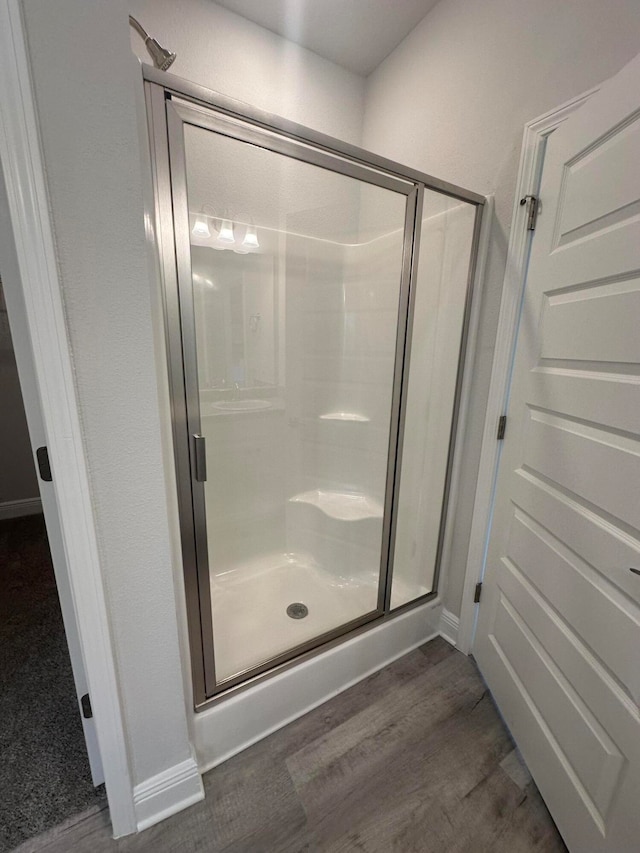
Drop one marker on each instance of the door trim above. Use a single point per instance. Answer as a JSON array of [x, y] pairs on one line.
[[528, 183], [23, 169]]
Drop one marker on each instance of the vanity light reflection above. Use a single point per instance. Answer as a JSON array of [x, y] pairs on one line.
[[251, 238], [201, 228], [224, 234]]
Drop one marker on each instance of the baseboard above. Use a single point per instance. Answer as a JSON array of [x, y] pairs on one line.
[[16, 509], [449, 627], [225, 729], [167, 793]]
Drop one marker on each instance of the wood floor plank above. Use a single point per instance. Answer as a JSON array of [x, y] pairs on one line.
[[407, 760], [88, 831], [497, 815], [252, 798], [334, 713], [405, 805], [369, 740]]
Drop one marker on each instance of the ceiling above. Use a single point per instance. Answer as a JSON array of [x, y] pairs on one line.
[[357, 34]]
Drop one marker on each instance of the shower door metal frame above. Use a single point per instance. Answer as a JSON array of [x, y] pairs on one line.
[[208, 110]]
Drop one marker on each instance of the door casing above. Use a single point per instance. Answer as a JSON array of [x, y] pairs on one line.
[[535, 135]]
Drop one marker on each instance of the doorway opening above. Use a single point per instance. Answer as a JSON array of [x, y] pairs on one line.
[[45, 775]]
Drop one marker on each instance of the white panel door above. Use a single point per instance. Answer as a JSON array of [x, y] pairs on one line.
[[558, 637]]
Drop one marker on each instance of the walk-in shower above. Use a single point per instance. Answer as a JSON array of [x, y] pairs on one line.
[[316, 301]]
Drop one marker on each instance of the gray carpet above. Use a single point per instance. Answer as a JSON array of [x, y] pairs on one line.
[[44, 772]]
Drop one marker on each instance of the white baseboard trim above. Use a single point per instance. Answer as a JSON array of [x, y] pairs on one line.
[[231, 726], [167, 793], [16, 509], [449, 627]]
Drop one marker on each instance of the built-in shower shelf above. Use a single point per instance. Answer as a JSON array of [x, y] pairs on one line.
[[344, 416], [344, 506]]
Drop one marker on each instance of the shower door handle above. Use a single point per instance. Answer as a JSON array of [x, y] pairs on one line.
[[200, 458]]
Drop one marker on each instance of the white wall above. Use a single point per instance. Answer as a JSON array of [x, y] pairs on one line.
[[223, 51], [85, 81], [85, 90], [452, 100]]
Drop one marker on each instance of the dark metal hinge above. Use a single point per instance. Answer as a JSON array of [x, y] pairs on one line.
[[502, 426], [87, 711], [532, 212], [477, 593], [44, 466]]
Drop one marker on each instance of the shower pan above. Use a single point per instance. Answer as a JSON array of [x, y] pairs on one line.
[[316, 301]]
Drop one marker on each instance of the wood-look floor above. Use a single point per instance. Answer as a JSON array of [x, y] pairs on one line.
[[414, 758]]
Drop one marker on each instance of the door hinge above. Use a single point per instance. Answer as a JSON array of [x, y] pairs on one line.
[[532, 212], [44, 466], [502, 426], [477, 593], [85, 703]]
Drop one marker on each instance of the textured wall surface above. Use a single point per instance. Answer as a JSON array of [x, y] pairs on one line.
[[452, 100], [225, 52], [85, 91]]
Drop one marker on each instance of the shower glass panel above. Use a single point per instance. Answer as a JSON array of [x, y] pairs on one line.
[[440, 296], [317, 299], [291, 309]]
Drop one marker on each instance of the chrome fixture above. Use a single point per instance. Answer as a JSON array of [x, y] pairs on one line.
[[162, 58], [297, 610]]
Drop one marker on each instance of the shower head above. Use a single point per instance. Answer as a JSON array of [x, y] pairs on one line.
[[162, 58]]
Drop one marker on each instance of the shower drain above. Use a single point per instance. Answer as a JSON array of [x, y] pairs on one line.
[[297, 610]]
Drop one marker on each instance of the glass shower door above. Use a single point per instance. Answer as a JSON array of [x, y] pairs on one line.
[[293, 284]]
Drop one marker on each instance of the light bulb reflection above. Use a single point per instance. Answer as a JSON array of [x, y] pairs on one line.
[[251, 238], [201, 228], [225, 235]]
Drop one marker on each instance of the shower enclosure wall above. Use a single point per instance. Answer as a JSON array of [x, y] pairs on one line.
[[316, 305]]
